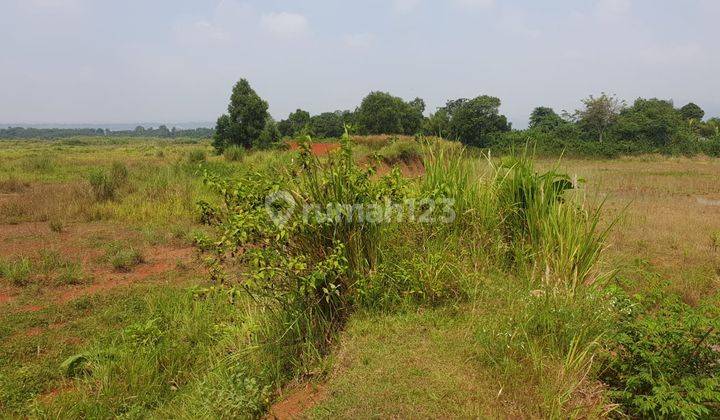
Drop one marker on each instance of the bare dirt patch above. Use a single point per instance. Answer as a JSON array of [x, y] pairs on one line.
[[297, 401], [84, 243]]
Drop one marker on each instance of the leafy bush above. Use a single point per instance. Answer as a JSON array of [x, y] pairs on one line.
[[665, 363]]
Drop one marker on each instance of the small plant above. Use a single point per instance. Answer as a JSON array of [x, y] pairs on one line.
[[234, 153], [123, 258], [17, 271], [57, 226], [71, 273]]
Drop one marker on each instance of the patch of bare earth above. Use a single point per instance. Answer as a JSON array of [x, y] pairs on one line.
[[296, 401], [83, 243]]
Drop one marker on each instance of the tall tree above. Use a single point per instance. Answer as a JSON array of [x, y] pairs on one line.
[[545, 118], [382, 113], [599, 114], [245, 121], [474, 121]]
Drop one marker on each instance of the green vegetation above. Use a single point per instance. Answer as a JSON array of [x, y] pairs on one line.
[[508, 303]]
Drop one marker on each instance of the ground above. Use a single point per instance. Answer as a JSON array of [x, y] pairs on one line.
[[81, 274]]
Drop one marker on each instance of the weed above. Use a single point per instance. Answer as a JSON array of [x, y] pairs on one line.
[[56, 225]]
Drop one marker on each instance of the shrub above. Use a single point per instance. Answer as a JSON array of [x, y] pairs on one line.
[[664, 364], [234, 153]]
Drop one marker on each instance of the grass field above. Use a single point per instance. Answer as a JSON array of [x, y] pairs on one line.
[[112, 302]]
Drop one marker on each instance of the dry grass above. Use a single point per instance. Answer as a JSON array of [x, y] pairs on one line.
[[669, 211]]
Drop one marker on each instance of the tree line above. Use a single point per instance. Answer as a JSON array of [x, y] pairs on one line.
[[604, 124], [140, 131]]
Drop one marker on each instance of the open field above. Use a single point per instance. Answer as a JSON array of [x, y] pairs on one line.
[[111, 302]]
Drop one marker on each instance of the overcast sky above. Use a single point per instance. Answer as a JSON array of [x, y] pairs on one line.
[[108, 61]]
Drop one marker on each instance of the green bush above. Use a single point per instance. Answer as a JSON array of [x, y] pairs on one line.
[[666, 363]]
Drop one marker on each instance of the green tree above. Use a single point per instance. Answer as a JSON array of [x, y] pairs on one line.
[[382, 113], [599, 114], [654, 121], [474, 121], [545, 118], [246, 119], [269, 136], [327, 125], [299, 121], [438, 124], [692, 112]]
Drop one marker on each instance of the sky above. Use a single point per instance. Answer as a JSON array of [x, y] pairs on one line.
[[108, 61]]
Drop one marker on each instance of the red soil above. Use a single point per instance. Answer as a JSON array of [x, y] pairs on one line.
[[80, 243], [296, 402]]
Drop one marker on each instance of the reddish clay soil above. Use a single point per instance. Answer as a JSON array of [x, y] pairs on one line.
[[318, 149], [84, 243], [297, 401]]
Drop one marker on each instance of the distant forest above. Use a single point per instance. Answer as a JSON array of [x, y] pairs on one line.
[[604, 125], [140, 131]]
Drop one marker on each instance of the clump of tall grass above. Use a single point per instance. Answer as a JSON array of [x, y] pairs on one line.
[[545, 226], [407, 152], [196, 156], [234, 153], [104, 184], [17, 271]]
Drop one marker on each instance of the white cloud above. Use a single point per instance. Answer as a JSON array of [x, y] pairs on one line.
[[479, 4], [405, 6], [613, 8], [361, 41], [284, 24]]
